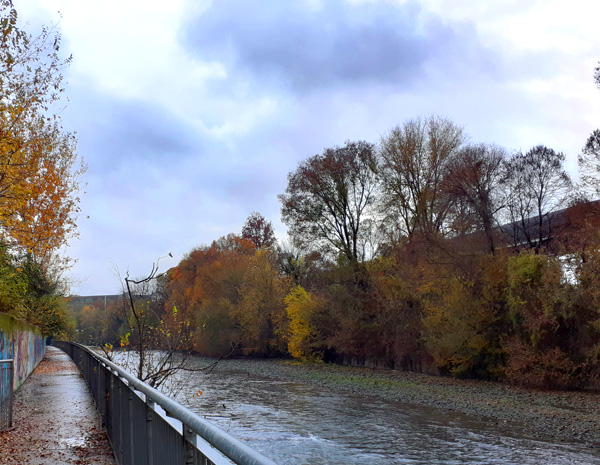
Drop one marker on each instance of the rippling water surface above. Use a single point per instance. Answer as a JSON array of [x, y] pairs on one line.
[[294, 423]]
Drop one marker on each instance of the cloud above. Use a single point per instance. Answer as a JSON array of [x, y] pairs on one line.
[[338, 43], [113, 131]]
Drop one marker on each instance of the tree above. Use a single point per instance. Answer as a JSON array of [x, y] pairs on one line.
[[589, 159], [459, 328], [28, 292], [38, 164], [329, 199], [537, 186], [260, 314], [474, 183], [301, 308], [258, 231], [156, 345], [208, 287], [589, 165], [540, 348], [414, 163]]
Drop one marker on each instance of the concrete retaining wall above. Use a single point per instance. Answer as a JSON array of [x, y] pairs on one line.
[[22, 342]]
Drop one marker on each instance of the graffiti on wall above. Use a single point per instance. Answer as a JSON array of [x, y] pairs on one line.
[[24, 344]]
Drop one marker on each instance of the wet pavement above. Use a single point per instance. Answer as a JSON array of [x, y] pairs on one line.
[[55, 420]]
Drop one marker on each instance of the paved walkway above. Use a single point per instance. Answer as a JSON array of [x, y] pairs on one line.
[[55, 420]]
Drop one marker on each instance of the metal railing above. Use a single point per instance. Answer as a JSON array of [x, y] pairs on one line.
[[6, 393], [146, 427]]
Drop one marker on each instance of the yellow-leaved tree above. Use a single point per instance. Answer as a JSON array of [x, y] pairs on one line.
[[301, 307], [39, 166], [39, 174]]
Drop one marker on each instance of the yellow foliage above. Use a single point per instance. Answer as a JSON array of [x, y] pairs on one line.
[[38, 172], [300, 306], [457, 325]]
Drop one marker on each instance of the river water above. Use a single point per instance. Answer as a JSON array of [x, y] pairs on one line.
[[296, 423]]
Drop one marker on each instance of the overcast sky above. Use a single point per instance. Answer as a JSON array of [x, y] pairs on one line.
[[190, 113]]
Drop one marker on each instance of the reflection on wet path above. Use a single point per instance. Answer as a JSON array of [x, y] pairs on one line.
[[294, 423]]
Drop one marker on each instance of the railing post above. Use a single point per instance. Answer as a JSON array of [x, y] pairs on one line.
[[120, 421], [189, 444], [131, 436], [107, 401], [149, 446]]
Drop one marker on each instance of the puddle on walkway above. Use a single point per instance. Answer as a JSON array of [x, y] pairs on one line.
[[72, 442]]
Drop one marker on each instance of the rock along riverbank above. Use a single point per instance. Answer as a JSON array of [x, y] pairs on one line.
[[563, 416]]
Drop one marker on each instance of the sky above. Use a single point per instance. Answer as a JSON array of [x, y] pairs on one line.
[[191, 113]]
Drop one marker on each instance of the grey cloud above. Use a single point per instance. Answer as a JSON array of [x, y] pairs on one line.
[[122, 138], [340, 43], [149, 130], [114, 130]]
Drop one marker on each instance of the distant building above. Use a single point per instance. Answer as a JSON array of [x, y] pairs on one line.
[[80, 301]]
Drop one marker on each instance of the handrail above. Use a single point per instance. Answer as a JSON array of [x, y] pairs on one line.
[[233, 448]]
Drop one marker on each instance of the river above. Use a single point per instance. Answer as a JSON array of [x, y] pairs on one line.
[[297, 423]]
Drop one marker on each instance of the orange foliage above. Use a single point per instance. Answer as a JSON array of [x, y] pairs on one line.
[[38, 173], [233, 295]]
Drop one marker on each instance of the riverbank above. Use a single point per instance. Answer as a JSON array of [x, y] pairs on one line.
[[546, 415]]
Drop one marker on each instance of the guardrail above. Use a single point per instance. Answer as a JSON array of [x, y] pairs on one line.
[[137, 427], [6, 393]]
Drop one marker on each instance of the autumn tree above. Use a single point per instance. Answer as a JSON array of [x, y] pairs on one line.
[[462, 317], [261, 314], [259, 231], [585, 333], [539, 350], [589, 165], [415, 158], [589, 159], [39, 169], [394, 323], [537, 185], [206, 286], [91, 322], [303, 340], [474, 182], [328, 202]]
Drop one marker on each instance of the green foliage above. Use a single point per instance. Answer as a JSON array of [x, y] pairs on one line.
[[28, 293]]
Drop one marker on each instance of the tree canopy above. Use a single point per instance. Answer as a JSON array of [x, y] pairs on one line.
[[329, 200], [39, 174], [39, 165], [415, 158]]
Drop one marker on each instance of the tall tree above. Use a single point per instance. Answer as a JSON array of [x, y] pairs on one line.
[[474, 183], [414, 163], [589, 159], [589, 165], [329, 197], [537, 186], [39, 169], [259, 231]]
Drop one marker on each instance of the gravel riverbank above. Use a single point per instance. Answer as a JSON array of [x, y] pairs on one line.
[[547, 415]]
